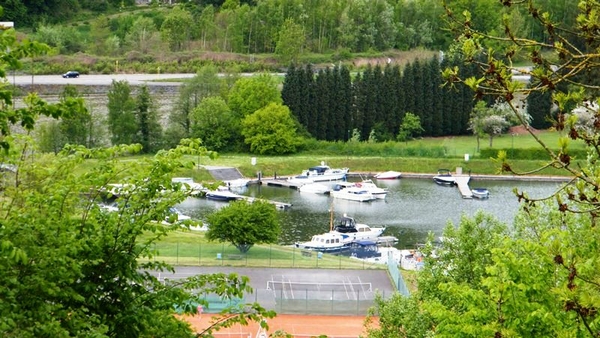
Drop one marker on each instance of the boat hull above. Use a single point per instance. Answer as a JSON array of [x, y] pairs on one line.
[[388, 175], [444, 180], [480, 193], [221, 197]]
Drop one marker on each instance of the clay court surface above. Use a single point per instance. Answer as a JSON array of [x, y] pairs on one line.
[[340, 315], [299, 326]]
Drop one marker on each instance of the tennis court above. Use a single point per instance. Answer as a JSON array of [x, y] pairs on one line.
[[306, 291]]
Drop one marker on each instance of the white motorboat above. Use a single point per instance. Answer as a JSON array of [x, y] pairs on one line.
[[353, 194], [371, 187], [388, 175], [480, 193], [188, 183], [175, 216], [315, 188], [444, 177], [222, 194], [342, 234], [320, 173], [237, 183], [350, 191]]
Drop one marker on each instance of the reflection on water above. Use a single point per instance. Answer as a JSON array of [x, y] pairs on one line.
[[412, 209]]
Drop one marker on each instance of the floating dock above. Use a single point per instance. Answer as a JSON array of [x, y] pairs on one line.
[[386, 240], [281, 183], [278, 205], [462, 182]]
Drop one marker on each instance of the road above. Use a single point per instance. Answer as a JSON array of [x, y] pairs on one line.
[[98, 80]]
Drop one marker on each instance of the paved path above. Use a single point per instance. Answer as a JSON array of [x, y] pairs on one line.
[[99, 80]]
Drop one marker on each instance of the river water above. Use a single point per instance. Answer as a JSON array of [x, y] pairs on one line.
[[413, 207]]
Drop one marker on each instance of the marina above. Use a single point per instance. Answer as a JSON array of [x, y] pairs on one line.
[[414, 207]]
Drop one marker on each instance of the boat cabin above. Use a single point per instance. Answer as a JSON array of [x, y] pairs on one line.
[[346, 224]]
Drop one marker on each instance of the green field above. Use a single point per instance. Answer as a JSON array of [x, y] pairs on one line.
[[455, 149]]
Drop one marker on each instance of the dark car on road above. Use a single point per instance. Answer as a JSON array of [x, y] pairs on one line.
[[71, 73]]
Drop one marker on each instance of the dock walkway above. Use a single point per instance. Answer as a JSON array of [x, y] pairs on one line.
[[462, 182]]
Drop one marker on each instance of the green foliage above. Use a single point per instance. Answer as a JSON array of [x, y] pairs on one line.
[[532, 154], [76, 125], [149, 130], [250, 94], [214, 123], [177, 28], [244, 224], [290, 42], [71, 268], [271, 131], [410, 127], [121, 113], [206, 83]]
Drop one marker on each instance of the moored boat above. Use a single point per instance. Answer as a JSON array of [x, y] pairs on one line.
[[352, 193], [187, 183], [371, 187], [344, 232], [222, 194], [364, 249], [320, 173], [444, 177], [315, 188], [388, 175], [481, 193]]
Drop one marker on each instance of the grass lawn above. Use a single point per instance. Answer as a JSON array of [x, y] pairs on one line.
[[192, 248], [456, 147]]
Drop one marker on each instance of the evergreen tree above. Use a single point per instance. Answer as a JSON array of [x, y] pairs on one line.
[[291, 92], [343, 104], [390, 100], [408, 81], [539, 106], [368, 103], [321, 120], [346, 95], [358, 89], [149, 133], [421, 96], [436, 107]]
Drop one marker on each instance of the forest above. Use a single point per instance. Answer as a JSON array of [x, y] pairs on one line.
[[288, 29]]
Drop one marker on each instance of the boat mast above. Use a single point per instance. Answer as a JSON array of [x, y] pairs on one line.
[[331, 217]]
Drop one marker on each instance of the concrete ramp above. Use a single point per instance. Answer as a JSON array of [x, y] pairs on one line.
[[224, 173]]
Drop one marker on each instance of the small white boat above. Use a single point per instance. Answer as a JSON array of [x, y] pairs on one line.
[[112, 207], [188, 183], [371, 187], [175, 216], [315, 188], [444, 177], [222, 194], [481, 193], [388, 175], [237, 183], [352, 193]]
